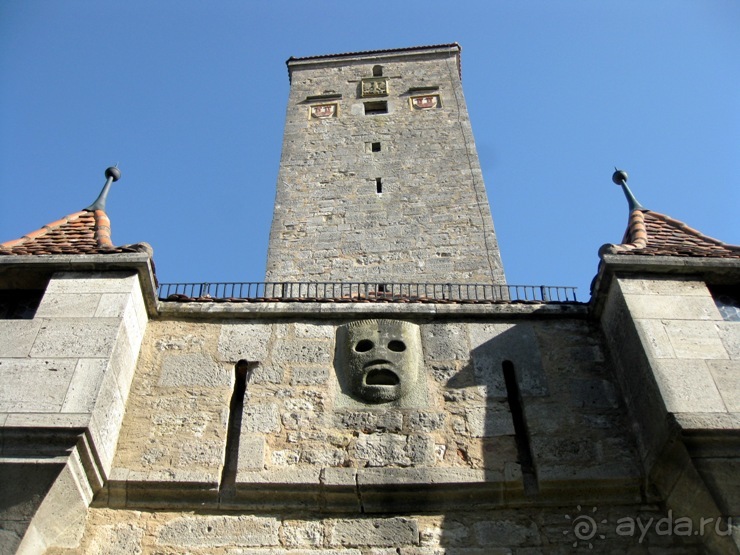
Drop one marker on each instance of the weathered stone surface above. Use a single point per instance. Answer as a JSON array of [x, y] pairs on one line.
[[369, 421], [68, 305], [729, 333], [17, 337], [445, 342], [261, 417], [118, 539], [695, 340], [251, 452], [726, 376], [193, 369], [373, 532], [309, 375], [78, 283], [34, 385], [653, 334], [505, 533], [85, 383], [687, 386], [386, 449], [215, 531], [674, 307], [662, 286], [302, 533], [239, 341], [489, 421], [76, 337]]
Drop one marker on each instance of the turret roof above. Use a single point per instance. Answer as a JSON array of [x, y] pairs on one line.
[[654, 234], [84, 232]]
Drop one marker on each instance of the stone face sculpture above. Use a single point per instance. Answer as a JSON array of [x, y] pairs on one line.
[[379, 360]]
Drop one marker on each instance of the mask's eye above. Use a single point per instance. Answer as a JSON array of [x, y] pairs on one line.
[[364, 346], [397, 346]]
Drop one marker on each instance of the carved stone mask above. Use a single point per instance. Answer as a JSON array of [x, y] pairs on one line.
[[380, 359]]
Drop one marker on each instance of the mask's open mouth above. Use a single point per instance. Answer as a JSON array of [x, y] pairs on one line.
[[382, 376]]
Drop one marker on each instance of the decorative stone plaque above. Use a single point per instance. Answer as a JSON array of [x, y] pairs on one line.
[[323, 111], [374, 86], [425, 102]]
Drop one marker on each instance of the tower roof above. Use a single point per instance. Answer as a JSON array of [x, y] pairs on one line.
[[651, 233], [388, 52], [83, 232]]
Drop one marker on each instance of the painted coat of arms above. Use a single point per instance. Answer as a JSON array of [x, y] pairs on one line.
[[322, 111], [425, 102]]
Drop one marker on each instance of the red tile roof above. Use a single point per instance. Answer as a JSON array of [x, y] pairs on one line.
[[653, 234], [83, 232]]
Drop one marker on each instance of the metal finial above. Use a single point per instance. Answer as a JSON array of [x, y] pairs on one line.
[[111, 174], [619, 177]]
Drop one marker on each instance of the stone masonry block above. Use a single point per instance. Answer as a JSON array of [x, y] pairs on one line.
[[674, 307], [492, 344], [261, 418], [84, 385], [92, 282], [217, 531], [445, 342], [117, 539], [244, 341], [655, 338], [112, 305], [695, 340], [309, 375], [302, 352], [687, 386], [68, 305], [34, 385], [106, 419], [194, 370], [302, 533], [251, 452], [393, 449], [726, 376], [489, 421], [314, 331], [76, 337], [729, 333], [662, 286], [380, 532], [506, 532], [369, 421], [17, 337]]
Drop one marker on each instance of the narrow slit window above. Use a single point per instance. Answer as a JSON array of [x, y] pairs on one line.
[[375, 147], [377, 71], [524, 449], [377, 107], [242, 371], [378, 185]]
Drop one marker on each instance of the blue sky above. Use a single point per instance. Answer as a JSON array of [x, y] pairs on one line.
[[189, 98]]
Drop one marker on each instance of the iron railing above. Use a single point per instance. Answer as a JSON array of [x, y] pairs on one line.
[[364, 292]]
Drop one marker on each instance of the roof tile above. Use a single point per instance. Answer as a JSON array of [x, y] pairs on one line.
[[83, 232], [654, 234]]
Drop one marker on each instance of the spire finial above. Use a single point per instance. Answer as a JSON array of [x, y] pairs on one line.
[[111, 174], [619, 177]]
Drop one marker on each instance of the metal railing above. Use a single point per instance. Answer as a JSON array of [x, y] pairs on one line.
[[364, 292]]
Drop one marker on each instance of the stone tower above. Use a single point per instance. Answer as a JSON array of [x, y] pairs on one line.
[[379, 176]]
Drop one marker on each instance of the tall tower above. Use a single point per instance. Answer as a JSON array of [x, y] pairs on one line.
[[379, 177]]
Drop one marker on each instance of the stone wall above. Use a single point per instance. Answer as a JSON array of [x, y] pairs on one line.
[[66, 375], [432, 218], [297, 422]]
